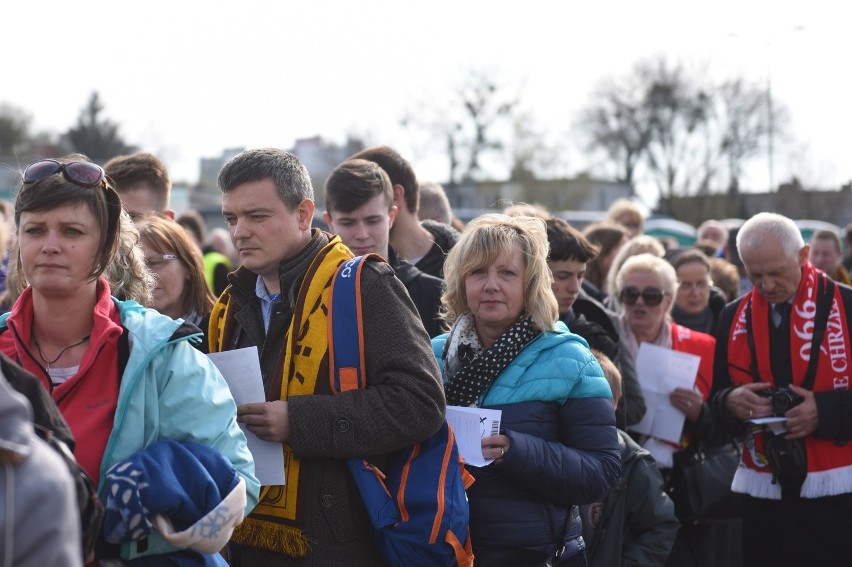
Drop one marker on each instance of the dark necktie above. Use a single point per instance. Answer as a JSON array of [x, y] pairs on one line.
[[783, 310], [780, 348]]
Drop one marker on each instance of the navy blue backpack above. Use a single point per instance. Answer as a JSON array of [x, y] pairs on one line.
[[417, 505]]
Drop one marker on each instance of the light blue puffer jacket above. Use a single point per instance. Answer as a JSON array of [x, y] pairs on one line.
[[555, 366]]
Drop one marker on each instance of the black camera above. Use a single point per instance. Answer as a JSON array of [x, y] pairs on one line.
[[782, 400]]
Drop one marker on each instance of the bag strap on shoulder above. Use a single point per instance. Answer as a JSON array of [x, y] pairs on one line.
[[345, 330], [825, 296]]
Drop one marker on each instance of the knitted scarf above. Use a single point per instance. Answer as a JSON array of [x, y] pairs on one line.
[[469, 368], [275, 523], [829, 465]]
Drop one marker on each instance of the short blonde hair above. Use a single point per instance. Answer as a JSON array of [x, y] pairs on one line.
[[483, 241], [626, 212], [642, 244]]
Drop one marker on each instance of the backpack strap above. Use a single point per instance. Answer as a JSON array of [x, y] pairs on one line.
[[345, 330]]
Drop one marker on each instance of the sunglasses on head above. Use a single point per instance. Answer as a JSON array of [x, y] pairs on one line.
[[83, 173], [651, 296]]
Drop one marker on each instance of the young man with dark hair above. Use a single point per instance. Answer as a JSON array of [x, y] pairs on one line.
[[359, 208], [569, 254], [142, 182], [424, 244], [278, 301]]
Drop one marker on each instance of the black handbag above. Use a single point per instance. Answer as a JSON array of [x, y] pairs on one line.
[[700, 484]]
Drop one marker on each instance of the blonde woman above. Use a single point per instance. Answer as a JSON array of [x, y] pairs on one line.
[[557, 447]]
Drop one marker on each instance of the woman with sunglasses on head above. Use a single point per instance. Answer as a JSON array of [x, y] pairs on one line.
[[557, 447], [647, 285], [124, 377], [180, 288]]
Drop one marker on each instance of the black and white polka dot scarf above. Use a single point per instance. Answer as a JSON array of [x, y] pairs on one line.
[[469, 368]]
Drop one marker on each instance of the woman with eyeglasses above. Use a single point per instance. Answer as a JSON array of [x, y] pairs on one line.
[[557, 447], [124, 377], [647, 286], [180, 288], [697, 302]]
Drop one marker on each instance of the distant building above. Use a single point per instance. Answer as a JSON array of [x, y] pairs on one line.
[[582, 193], [791, 200], [210, 168], [320, 157]]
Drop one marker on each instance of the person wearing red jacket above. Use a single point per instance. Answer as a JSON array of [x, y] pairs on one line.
[[646, 286]]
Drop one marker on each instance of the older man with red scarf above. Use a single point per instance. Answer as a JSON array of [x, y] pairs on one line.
[[783, 350]]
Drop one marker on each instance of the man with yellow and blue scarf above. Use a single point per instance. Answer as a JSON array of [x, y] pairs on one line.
[[278, 301]]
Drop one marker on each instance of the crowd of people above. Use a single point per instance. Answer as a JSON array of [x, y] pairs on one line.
[[112, 304]]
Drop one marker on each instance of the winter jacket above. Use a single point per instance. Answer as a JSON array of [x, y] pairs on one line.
[[558, 415], [631, 407], [169, 390], [40, 522], [445, 237], [45, 413], [706, 321], [635, 524], [424, 290]]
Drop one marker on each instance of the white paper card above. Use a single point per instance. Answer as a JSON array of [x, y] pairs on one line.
[[777, 425], [470, 426], [241, 370], [661, 370]]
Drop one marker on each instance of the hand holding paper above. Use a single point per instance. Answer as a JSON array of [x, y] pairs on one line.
[[241, 370], [660, 371], [471, 426]]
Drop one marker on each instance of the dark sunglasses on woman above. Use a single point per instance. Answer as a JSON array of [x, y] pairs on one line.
[[83, 173], [651, 296]]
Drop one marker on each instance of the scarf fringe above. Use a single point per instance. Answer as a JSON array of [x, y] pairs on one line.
[[827, 483], [756, 484], [817, 484], [272, 536]]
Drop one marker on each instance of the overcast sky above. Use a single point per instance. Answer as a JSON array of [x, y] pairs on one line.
[[187, 79]]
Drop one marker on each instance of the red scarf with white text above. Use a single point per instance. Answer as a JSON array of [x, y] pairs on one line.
[[829, 465]]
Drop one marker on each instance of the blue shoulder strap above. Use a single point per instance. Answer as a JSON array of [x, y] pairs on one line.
[[345, 333]]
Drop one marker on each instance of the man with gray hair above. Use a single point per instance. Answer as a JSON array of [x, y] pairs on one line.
[[278, 301], [783, 351], [434, 204]]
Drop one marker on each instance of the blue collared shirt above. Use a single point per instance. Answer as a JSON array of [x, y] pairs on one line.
[[266, 300]]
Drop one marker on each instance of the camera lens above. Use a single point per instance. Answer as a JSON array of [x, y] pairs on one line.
[[783, 400]]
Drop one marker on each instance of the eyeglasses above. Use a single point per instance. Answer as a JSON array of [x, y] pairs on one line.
[[652, 296], [700, 285], [158, 261], [83, 173]]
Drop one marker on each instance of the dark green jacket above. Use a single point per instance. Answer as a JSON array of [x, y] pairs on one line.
[[635, 525]]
